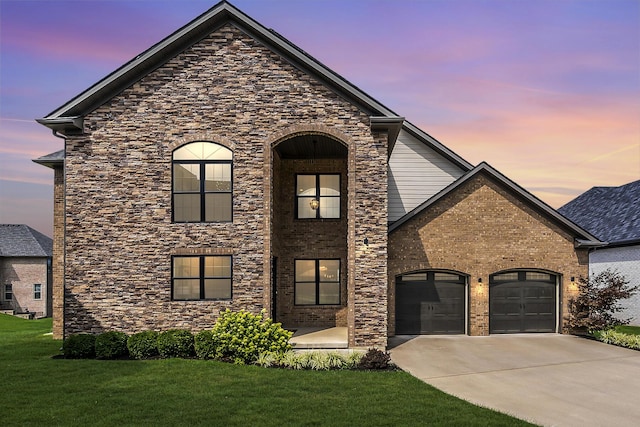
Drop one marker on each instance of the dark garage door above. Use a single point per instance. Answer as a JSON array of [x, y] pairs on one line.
[[430, 303], [522, 301]]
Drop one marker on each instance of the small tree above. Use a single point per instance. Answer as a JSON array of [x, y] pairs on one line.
[[598, 300]]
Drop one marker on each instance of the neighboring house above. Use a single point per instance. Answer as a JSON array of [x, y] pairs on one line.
[[224, 167], [25, 270], [613, 215]]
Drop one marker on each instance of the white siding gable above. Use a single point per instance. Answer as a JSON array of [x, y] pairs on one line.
[[625, 260], [416, 173]]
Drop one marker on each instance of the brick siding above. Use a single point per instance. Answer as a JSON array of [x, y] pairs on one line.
[[477, 230]]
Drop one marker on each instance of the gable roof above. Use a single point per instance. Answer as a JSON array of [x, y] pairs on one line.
[[610, 213], [583, 237], [19, 240], [68, 118]]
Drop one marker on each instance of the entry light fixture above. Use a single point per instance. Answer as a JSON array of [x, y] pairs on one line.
[[314, 203], [479, 279], [366, 241], [573, 279]]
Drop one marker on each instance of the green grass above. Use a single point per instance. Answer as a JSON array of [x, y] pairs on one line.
[[40, 390], [629, 330]]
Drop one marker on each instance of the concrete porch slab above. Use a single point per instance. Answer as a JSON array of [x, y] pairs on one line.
[[319, 338]]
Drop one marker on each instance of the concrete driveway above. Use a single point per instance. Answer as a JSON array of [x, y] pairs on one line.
[[547, 379]]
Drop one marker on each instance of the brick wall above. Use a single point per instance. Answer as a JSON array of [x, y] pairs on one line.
[[22, 274], [478, 230], [230, 90], [57, 261], [311, 239]]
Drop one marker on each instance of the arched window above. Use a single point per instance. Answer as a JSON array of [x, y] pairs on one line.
[[202, 183]]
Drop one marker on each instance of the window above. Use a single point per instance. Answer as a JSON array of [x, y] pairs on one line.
[[317, 281], [37, 291], [318, 196], [201, 278], [202, 183], [8, 292]]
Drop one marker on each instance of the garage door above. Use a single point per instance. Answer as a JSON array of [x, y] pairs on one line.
[[522, 301], [430, 303]]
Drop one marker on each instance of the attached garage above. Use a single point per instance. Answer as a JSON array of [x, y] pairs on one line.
[[430, 303], [522, 301]]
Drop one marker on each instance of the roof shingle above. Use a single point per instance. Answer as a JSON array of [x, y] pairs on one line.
[[19, 240], [610, 213]]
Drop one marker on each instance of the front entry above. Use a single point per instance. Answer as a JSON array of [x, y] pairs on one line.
[[522, 301], [430, 303]]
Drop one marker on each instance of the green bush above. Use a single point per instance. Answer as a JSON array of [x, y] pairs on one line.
[[111, 345], [315, 360], [79, 346], [375, 359], [241, 336], [175, 343], [205, 345], [143, 345], [618, 338]]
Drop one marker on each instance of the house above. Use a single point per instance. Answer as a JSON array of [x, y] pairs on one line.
[[25, 271], [224, 167], [613, 215]]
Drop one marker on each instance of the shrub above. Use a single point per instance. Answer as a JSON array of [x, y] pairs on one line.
[[375, 359], [205, 345], [316, 360], [618, 338], [143, 345], [597, 302], [79, 346], [111, 345], [241, 336], [175, 343]]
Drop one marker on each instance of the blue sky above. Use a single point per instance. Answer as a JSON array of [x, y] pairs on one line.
[[548, 92]]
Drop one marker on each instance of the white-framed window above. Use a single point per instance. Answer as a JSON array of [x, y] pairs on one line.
[[37, 291], [8, 292]]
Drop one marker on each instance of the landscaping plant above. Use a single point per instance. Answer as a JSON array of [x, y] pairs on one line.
[[175, 343], [598, 301], [111, 345], [143, 345], [79, 346], [375, 359], [241, 336]]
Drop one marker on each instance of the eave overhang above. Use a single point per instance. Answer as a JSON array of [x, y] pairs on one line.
[[391, 125], [53, 160]]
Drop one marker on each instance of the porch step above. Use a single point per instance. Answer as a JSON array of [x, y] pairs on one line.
[[320, 338]]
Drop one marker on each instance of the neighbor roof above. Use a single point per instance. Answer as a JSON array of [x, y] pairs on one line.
[[69, 117], [583, 237], [19, 240], [610, 213]]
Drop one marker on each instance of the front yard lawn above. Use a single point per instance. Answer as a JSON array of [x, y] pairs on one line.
[[40, 390], [629, 330]]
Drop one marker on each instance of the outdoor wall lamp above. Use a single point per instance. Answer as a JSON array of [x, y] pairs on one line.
[[366, 241]]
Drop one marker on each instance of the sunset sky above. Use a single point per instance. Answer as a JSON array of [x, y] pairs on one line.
[[547, 92]]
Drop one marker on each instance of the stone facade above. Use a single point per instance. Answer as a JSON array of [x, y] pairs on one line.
[[57, 261], [230, 90], [23, 273], [477, 230]]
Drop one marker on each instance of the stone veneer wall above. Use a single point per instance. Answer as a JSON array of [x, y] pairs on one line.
[[478, 230], [231, 90], [307, 238]]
